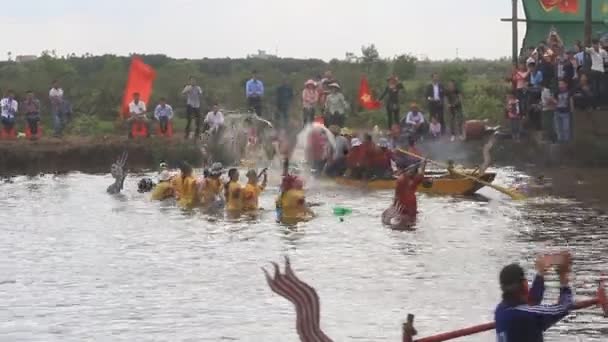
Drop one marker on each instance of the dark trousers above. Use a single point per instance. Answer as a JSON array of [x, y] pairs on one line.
[[334, 119], [8, 123], [436, 111], [392, 114], [255, 103], [522, 97], [32, 121], [163, 123], [308, 115], [193, 113], [596, 79], [282, 117]]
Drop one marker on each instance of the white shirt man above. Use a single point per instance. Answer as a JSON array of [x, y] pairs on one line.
[[137, 109], [597, 58], [56, 97], [8, 107], [215, 119]]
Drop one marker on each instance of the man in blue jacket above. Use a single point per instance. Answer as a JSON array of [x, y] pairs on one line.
[[521, 317]]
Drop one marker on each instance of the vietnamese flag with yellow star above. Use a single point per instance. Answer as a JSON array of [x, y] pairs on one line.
[[366, 100]]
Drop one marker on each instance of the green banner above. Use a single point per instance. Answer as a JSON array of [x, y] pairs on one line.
[[564, 10], [566, 17]]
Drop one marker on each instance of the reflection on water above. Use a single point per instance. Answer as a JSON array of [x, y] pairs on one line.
[[77, 264]]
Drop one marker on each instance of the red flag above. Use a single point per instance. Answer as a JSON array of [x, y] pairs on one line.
[[366, 100], [141, 78]]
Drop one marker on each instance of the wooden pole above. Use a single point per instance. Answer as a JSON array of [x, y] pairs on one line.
[[588, 22], [515, 33]]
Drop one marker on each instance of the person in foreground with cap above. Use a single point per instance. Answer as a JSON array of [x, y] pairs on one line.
[[211, 187], [520, 317], [252, 190], [335, 106]]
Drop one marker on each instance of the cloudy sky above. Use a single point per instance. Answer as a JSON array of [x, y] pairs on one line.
[[234, 28]]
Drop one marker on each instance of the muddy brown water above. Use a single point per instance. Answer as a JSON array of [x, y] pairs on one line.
[[77, 264]]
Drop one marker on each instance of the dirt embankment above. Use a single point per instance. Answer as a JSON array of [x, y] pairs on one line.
[[92, 155]]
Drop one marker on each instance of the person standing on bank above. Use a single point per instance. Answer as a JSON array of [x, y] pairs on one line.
[[254, 90], [57, 107], [193, 95], [392, 100], [284, 97], [454, 100], [31, 107], [310, 97], [335, 107], [434, 95]]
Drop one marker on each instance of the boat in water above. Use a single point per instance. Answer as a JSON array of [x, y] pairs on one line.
[[436, 182]]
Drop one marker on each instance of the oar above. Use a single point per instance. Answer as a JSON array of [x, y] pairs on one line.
[[512, 193], [409, 331]]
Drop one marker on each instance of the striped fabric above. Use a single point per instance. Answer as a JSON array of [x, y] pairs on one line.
[[303, 297]]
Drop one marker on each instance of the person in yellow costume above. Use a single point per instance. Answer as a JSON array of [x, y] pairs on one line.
[[164, 188], [291, 205], [233, 192], [185, 188], [211, 187], [252, 191]]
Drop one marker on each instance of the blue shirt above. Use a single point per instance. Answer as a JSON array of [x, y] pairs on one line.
[[254, 88], [527, 322], [163, 112], [536, 78]]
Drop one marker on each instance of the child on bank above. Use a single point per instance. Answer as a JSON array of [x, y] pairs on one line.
[[514, 116], [435, 129]]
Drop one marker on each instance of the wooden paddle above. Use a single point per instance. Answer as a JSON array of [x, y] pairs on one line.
[[409, 331], [512, 193]]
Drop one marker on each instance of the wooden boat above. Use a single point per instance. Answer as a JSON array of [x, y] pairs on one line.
[[440, 183]]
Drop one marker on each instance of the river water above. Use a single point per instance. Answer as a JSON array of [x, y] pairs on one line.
[[77, 264]]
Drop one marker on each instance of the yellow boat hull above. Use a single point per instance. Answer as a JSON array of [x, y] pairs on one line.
[[440, 185]]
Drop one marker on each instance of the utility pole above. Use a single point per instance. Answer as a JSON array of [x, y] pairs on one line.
[[515, 37], [588, 22]]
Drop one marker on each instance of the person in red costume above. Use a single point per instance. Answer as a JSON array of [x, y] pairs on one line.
[[402, 214]]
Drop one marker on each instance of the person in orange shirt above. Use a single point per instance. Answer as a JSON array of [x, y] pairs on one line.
[[403, 211], [252, 191]]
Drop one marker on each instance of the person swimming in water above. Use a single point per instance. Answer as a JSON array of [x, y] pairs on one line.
[[117, 170]]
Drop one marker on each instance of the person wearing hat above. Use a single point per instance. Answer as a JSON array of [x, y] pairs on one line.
[[164, 188], [414, 121], [310, 97], [335, 106], [252, 190], [520, 316], [359, 160], [211, 189], [391, 92]]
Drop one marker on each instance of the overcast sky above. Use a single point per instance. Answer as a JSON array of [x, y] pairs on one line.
[[322, 29]]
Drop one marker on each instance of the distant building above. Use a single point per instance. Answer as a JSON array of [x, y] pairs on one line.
[[25, 58], [262, 55]]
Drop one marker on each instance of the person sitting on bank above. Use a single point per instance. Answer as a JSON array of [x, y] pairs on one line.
[[163, 113], [214, 121], [8, 110], [137, 114], [252, 191], [31, 107], [520, 316], [414, 121], [335, 106]]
